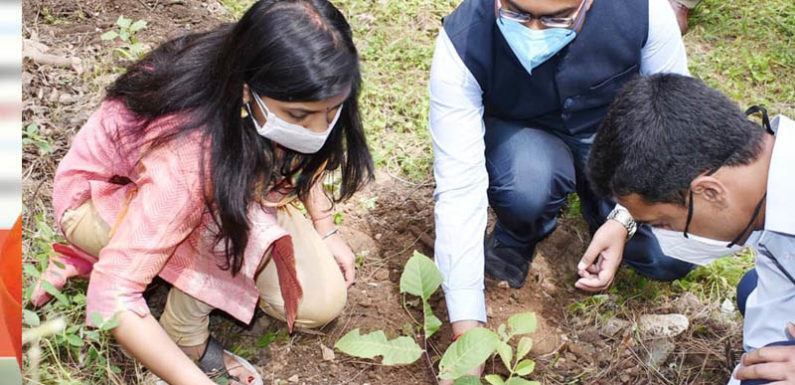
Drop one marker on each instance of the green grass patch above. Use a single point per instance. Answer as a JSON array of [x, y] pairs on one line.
[[744, 48]]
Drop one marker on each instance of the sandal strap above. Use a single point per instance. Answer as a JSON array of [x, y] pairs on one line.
[[212, 360]]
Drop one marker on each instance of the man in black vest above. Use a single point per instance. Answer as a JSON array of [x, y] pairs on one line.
[[518, 89]]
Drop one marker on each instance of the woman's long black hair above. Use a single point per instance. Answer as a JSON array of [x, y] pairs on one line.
[[288, 50]]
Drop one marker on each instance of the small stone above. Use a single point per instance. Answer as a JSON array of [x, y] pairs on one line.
[[727, 308], [366, 302], [328, 354], [294, 378], [503, 285], [613, 326], [624, 379], [378, 236], [382, 274], [662, 325], [659, 350]]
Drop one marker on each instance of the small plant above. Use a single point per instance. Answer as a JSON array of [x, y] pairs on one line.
[[68, 307], [126, 32], [421, 278], [32, 136]]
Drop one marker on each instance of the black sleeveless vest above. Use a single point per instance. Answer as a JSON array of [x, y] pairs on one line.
[[571, 91]]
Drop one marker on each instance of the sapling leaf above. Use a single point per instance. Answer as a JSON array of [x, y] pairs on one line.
[[123, 22], [96, 319], [495, 379], [467, 380], [469, 351], [138, 25], [521, 381], [401, 350], [506, 354], [525, 367], [110, 35], [525, 344], [420, 277], [432, 323], [522, 323]]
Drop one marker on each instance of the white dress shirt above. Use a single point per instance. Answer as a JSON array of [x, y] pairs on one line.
[[456, 122], [772, 303]]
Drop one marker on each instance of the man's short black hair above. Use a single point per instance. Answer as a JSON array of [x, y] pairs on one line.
[[661, 132]]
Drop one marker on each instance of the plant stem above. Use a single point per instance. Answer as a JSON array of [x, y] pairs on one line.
[[428, 357]]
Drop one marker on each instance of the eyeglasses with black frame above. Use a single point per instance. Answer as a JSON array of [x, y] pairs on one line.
[[546, 21]]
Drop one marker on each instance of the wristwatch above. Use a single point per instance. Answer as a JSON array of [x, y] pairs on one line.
[[622, 216]]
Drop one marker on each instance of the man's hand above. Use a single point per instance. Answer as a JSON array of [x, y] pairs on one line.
[[460, 328], [598, 266], [773, 363]]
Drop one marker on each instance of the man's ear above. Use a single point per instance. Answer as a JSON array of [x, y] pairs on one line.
[[710, 189], [246, 94]]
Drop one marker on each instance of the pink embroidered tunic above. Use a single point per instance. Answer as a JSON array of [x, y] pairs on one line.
[[160, 224]]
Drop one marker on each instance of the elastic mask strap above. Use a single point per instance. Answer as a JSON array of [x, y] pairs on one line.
[[751, 222], [765, 120]]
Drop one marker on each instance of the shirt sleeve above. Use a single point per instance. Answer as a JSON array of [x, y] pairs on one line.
[[664, 51], [167, 207], [456, 123]]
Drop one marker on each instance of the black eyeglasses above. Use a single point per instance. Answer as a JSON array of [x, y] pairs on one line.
[[546, 21]]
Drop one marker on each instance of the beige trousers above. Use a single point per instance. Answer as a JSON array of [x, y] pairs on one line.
[[186, 319]]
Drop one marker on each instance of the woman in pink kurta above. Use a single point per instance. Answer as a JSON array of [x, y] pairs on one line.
[[189, 170]]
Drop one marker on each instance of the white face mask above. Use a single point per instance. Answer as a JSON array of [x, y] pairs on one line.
[[695, 249], [290, 135]]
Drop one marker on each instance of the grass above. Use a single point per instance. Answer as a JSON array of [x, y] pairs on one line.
[[740, 47]]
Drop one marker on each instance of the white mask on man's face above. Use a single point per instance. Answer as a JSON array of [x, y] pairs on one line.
[[695, 249], [290, 135]]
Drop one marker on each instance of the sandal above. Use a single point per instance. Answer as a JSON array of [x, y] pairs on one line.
[[212, 363], [67, 263]]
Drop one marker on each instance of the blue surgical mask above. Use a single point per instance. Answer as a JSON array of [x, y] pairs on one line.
[[533, 47]]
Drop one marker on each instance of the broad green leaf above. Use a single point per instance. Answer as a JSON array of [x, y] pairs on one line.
[[123, 21], [521, 381], [401, 350], [525, 367], [472, 349], [506, 354], [110, 324], [30, 318], [96, 319], [432, 323], [74, 340], [31, 270], [51, 290], [467, 380], [525, 344], [495, 379], [124, 35], [138, 25], [420, 277], [522, 323], [110, 35]]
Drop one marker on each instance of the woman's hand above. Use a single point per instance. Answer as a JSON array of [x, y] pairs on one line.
[[344, 256]]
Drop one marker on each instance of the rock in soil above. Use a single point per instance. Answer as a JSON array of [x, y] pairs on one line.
[[662, 325]]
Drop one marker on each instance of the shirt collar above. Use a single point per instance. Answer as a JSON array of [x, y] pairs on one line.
[[779, 213]]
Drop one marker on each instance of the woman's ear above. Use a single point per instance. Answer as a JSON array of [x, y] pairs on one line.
[[246, 94], [710, 189]]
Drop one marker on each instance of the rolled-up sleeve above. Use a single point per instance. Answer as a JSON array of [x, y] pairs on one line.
[[456, 122], [166, 208]]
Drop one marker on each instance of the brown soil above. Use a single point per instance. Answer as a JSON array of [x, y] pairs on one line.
[[569, 347]]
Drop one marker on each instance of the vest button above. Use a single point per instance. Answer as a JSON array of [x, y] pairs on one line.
[[567, 103], [565, 116]]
